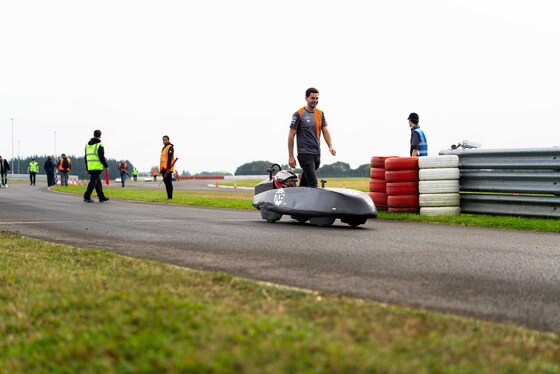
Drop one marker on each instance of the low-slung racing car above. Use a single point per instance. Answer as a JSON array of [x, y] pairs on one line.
[[278, 195]]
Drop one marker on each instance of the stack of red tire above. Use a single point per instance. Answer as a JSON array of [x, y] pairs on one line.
[[377, 183], [401, 175]]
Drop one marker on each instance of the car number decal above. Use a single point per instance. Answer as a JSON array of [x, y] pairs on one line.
[[279, 197]]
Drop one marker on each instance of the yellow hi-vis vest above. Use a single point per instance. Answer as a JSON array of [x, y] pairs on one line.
[[33, 166], [92, 157]]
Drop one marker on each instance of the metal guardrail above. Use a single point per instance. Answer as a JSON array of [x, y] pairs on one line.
[[509, 159], [524, 181]]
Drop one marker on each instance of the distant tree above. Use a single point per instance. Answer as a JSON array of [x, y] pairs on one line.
[[213, 173], [343, 170], [362, 171], [253, 168]]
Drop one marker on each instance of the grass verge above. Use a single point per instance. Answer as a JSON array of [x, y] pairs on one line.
[[218, 199], [70, 310], [360, 184]]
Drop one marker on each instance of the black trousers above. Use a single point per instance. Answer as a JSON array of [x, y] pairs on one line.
[[50, 178], [168, 180], [309, 163], [94, 183], [32, 177]]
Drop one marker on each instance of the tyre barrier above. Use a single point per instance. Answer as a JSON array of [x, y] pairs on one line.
[[377, 173], [377, 182], [377, 185], [438, 174], [379, 161], [439, 185], [402, 163], [401, 174], [444, 186], [440, 210], [402, 188], [444, 161], [403, 201], [439, 199]]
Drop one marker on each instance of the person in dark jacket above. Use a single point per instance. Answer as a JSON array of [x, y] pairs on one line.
[[4, 169], [49, 169], [95, 164]]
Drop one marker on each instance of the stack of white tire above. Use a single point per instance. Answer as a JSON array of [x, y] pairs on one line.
[[439, 185]]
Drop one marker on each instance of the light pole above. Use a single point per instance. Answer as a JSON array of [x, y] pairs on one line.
[[12, 146], [18, 156]]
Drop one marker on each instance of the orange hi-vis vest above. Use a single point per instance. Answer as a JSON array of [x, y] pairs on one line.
[[164, 159], [318, 120], [61, 163]]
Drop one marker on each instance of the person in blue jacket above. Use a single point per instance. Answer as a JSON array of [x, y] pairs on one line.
[[418, 142]]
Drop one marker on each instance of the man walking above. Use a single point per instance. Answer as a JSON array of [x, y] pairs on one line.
[[135, 174], [418, 142], [166, 165], [33, 169], [308, 123], [49, 169], [4, 169], [64, 167], [123, 168], [95, 163]]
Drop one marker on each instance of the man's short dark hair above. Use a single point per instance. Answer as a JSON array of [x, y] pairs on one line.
[[97, 133], [311, 90], [165, 136], [414, 118]]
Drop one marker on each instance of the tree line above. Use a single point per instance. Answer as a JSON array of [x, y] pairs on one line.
[[337, 170]]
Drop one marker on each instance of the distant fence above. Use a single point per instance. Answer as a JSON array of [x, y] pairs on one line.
[[524, 182]]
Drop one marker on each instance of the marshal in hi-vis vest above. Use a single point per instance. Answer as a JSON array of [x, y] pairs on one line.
[[33, 166], [92, 157], [164, 159]]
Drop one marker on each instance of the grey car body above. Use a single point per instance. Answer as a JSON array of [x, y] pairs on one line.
[[321, 206]]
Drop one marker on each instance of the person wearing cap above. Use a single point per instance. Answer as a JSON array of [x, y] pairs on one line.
[[64, 166], [418, 142], [308, 123]]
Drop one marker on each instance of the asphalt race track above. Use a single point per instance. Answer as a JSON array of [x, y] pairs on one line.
[[491, 274]]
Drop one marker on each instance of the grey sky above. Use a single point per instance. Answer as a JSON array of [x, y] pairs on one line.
[[223, 78]]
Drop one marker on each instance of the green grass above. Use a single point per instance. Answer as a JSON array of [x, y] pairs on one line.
[[66, 310], [360, 184], [242, 200], [481, 220], [218, 199]]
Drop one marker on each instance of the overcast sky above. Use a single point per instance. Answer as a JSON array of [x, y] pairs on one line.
[[222, 78]]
